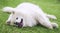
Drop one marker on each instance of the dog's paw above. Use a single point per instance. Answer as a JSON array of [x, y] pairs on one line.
[[55, 25]]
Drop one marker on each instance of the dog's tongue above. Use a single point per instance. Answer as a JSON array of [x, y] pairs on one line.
[[21, 23]]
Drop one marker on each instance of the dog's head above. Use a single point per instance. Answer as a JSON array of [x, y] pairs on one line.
[[18, 21], [19, 24], [15, 18]]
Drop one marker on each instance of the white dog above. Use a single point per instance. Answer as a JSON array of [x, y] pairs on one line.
[[30, 14]]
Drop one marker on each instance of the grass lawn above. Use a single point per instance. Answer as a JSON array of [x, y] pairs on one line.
[[48, 6]]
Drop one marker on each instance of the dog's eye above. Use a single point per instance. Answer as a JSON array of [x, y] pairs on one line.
[[17, 18]]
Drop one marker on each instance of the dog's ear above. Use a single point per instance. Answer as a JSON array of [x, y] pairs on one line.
[[8, 9]]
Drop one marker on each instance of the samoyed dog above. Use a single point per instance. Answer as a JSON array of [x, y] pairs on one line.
[[28, 14]]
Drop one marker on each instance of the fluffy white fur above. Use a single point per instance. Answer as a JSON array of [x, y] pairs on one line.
[[30, 13]]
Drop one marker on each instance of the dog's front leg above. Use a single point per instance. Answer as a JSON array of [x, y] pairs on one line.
[[9, 19]]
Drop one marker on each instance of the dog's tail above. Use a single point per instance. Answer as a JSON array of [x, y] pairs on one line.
[[8, 9], [51, 16]]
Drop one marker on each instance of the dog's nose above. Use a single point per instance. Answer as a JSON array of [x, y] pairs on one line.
[[8, 22], [18, 24]]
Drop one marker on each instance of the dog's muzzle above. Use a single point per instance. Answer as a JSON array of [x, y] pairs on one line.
[[20, 24]]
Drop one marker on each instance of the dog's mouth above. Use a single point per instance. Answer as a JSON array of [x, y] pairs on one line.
[[20, 24]]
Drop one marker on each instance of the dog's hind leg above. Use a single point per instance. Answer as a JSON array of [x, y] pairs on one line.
[[43, 20]]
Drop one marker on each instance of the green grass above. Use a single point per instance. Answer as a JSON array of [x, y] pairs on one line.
[[48, 6]]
